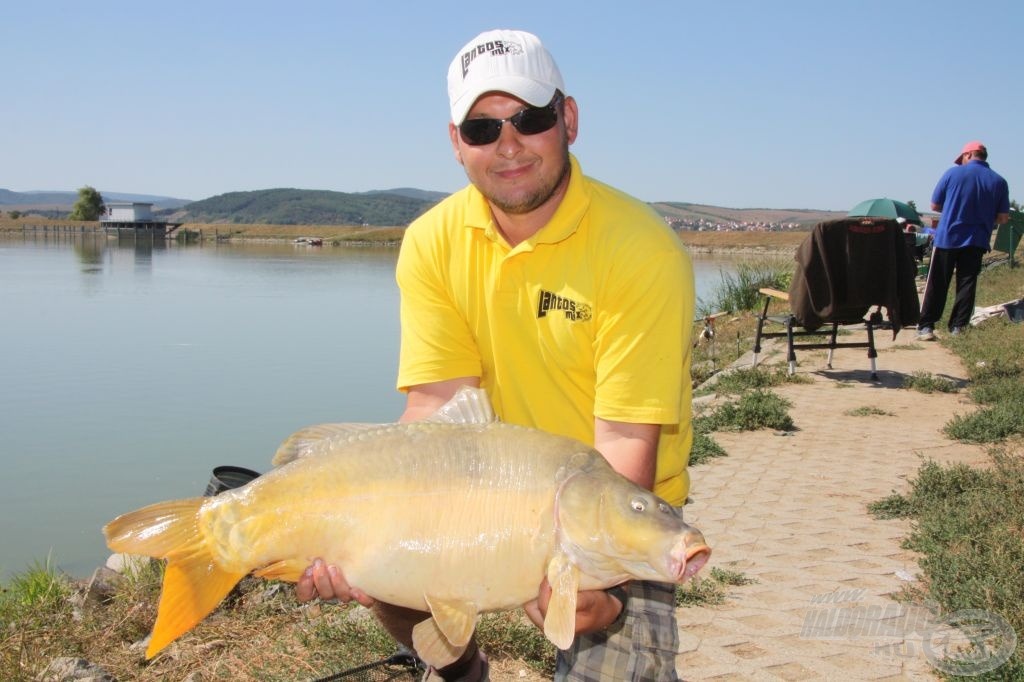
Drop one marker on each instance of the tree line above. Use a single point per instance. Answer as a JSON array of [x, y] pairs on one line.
[[89, 206]]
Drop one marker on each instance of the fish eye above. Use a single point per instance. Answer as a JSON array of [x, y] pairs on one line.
[[638, 504]]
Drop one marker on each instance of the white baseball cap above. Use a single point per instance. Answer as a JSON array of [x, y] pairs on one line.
[[513, 62]]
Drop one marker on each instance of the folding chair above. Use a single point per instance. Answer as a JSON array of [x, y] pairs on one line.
[[845, 268]]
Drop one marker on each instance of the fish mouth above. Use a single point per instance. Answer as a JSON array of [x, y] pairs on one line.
[[695, 558]]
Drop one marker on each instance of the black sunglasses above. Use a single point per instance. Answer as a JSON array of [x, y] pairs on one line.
[[529, 121]]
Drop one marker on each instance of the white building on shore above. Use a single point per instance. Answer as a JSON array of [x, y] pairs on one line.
[[134, 216]]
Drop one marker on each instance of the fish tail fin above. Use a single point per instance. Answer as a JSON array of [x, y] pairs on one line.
[[193, 587], [193, 582]]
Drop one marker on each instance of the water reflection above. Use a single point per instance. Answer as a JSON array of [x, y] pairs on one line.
[[89, 249]]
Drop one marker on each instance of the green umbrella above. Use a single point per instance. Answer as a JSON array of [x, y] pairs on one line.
[[886, 208]]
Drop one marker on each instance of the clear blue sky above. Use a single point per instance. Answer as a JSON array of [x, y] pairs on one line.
[[782, 104]]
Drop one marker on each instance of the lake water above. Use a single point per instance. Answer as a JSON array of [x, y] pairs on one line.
[[129, 370]]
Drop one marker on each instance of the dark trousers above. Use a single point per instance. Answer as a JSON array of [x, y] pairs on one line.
[[965, 263]]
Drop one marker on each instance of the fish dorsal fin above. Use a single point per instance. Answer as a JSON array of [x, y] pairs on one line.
[[304, 442], [560, 621], [469, 405]]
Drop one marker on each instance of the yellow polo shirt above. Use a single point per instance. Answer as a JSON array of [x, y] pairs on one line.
[[591, 316]]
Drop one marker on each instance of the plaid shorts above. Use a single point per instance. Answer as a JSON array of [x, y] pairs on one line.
[[640, 646]]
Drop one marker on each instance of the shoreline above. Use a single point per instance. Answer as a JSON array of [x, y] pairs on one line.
[[753, 243]]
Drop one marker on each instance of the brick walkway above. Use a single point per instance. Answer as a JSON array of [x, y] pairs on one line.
[[789, 511]]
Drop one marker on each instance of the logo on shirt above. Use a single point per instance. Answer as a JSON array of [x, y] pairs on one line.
[[574, 311], [492, 47]]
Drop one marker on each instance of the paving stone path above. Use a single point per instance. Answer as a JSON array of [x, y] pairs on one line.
[[790, 512]]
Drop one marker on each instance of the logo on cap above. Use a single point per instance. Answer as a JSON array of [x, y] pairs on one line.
[[491, 47]]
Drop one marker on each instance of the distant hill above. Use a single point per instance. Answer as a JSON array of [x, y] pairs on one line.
[[411, 192], [693, 214], [55, 200], [309, 207], [389, 207]]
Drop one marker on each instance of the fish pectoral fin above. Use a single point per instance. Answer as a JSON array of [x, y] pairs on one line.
[[288, 570], [432, 646], [455, 618], [560, 621]]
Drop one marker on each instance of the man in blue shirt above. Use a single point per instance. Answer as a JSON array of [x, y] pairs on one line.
[[972, 199]]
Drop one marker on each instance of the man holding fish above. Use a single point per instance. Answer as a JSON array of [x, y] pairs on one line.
[[571, 304]]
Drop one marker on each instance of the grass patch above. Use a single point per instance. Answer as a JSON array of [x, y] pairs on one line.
[[994, 390], [509, 634], [746, 378], [260, 633], [995, 365], [35, 615], [710, 590], [997, 380], [704, 448], [988, 425], [969, 527], [926, 382], [39, 587], [868, 411], [755, 409], [895, 506], [903, 347]]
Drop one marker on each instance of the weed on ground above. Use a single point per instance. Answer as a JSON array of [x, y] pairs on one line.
[[755, 409], [743, 379], [926, 382], [704, 447], [868, 411], [711, 589]]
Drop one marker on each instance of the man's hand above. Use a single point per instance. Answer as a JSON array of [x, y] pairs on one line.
[[595, 609], [327, 582]]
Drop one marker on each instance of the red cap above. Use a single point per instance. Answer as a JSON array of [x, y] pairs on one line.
[[973, 146]]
